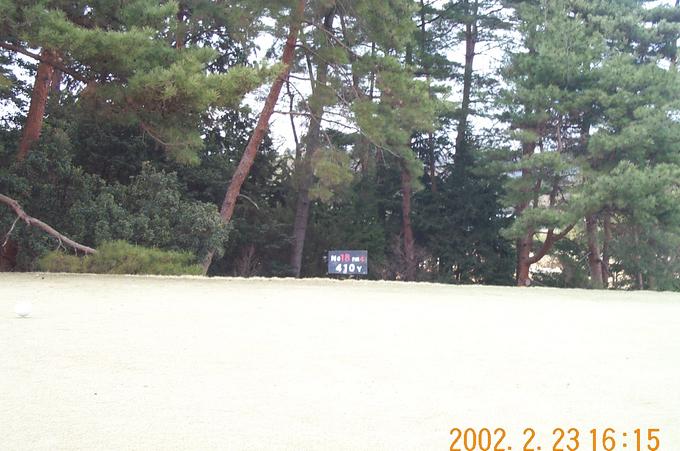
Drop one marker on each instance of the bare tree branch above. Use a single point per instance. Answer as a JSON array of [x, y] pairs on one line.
[[9, 233], [248, 199], [31, 221], [292, 121]]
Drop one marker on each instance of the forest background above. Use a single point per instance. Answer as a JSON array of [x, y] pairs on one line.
[[469, 141]]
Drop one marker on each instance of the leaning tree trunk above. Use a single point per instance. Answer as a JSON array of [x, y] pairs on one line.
[[306, 173], [36, 111], [46, 80], [407, 227], [248, 158], [594, 256]]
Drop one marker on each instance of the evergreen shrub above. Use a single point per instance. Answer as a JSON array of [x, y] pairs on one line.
[[120, 257]]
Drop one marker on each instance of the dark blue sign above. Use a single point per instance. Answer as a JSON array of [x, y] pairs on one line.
[[348, 262]]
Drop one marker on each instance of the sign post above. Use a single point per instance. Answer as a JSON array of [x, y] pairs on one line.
[[348, 262]]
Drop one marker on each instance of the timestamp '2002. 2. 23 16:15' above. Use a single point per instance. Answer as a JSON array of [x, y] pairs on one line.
[[561, 439]]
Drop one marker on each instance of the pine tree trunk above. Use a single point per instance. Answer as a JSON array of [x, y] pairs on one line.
[[306, 170], [651, 282], [525, 243], [432, 169], [306, 177], [524, 260], [300, 230], [433, 162], [594, 258], [55, 84], [302, 203], [248, 158], [607, 226], [181, 32], [407, 228], [470, 44], [57, 75], [674, 45], [36, 112], [639, 277], [8, 255]]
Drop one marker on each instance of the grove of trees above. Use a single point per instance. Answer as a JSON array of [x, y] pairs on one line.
[[458, 141]]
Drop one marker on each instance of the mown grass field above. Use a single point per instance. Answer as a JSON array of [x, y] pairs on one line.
[[113, 362]]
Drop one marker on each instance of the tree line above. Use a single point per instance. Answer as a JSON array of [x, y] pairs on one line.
[[558, 165]]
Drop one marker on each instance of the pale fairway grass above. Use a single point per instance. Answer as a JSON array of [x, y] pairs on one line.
[[118, 363]]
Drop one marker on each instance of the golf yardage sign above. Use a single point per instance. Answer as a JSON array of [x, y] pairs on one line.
[[348, 262]]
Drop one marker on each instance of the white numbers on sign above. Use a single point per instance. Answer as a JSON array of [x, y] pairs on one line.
[[345, 268]]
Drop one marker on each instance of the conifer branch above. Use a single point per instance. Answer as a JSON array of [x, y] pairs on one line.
[[550, 239], [42, 59]]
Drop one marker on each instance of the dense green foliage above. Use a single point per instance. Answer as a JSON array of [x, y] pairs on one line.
[[560, 166], [150, 210]]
